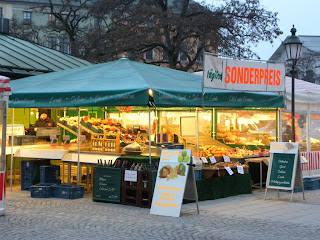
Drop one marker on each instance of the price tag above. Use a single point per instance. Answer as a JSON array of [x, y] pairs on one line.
[[66, 140], [53, 140], [240, 169], [130, 176], [229, 170], [204, 160], [212, 159], [226, 158]]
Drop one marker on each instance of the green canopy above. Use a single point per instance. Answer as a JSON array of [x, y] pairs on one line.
[[126, 83]]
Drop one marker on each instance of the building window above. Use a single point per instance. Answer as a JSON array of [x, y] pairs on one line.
[[64, 45], [165, 56], [1, 12], [183, 55], [59, 43], [200, 58], [27, 17], [149, 55], [52, 43]]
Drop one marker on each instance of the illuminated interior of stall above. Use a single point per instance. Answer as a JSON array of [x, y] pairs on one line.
[[170, 123], [246, 127], [315, 131], [300, 127]]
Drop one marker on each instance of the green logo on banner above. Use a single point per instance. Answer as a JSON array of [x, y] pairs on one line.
[[214, 75]]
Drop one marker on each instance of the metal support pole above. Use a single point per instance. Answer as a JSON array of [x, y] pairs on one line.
[[3, 143], [78, 173], [292, 105], [198, 142], [149, 135], [11, 159]]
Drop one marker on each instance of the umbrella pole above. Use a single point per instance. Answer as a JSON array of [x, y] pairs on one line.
[[149, 136], [11, 160], [78, 172], [198, 132]]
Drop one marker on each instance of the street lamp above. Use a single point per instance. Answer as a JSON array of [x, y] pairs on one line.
[[293, 47]]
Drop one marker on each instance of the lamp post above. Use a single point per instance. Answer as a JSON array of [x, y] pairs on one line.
[[293, 47]]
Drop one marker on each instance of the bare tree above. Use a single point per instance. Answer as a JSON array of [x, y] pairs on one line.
[[27, 32], [175, 31], [184, 28], [69, 17]]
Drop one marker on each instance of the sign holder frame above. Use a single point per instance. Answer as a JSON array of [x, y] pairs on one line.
[[296, 178], [191, 186], [174, 193]]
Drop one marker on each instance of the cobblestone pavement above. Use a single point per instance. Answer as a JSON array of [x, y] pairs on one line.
[[241, 217]]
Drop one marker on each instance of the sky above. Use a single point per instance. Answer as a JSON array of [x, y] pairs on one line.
[[304, 14]]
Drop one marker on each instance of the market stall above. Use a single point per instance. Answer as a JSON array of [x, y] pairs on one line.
[[123, 84]]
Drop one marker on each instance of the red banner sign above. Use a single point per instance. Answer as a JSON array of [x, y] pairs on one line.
[[2, 185]]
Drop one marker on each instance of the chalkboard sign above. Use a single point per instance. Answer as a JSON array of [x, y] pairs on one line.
[[282, 170], [107, 184]]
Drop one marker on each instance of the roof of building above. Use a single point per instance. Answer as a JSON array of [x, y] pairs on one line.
[[19, 58], [312, 43]]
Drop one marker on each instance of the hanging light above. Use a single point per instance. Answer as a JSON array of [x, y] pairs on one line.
[[293, 46]]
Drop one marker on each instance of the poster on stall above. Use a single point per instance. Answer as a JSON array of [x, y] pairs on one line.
[[171, 181], [66, 141]]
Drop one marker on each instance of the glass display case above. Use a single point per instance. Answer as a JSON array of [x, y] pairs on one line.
[[246, 127]]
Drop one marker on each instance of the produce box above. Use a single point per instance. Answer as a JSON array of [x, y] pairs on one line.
[[210, 173], [22, 140], [48, 131]]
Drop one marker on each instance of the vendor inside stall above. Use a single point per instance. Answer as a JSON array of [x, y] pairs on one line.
[[44, 120]]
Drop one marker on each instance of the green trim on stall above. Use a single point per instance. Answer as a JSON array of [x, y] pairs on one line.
[[277, 125], [212, 122], [215, 123]]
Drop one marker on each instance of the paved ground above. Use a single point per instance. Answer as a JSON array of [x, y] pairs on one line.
[[241, 217]]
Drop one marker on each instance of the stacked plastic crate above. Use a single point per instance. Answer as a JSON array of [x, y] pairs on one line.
[[30, 172], [50, 185]]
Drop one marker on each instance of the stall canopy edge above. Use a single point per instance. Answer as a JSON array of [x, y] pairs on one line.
[[126, 83]]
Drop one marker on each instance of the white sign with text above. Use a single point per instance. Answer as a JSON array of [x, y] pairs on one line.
[[171, 182]]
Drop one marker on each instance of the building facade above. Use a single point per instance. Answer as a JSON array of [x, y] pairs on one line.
[[39, 26]]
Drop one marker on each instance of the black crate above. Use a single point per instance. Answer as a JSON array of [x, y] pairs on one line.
[[42, 190], [30, 172], [50, 174], [68, 191]]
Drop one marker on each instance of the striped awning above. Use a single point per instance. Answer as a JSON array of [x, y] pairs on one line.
[[4, 85]]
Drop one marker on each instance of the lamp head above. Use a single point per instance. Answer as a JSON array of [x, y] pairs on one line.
[[293, 46]]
